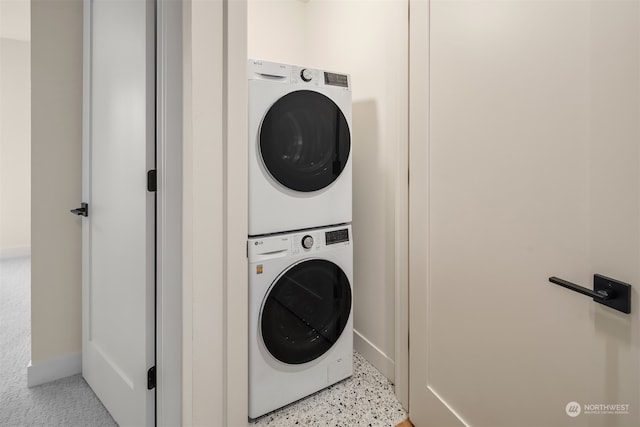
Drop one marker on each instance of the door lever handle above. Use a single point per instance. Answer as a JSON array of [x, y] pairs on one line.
[[606, 291], [603, 294], [83, 210]]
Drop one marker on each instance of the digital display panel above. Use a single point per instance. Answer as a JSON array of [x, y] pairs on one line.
[[334, 79], [337, 236]]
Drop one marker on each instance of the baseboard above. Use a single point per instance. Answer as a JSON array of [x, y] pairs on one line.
[[374, 355], [54, 369], [15, 252]]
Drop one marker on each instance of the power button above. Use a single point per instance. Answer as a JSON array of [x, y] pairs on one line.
[[306, 75], [307, 242]]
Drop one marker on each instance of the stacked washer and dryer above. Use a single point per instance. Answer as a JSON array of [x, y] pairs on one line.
[[300, 242]]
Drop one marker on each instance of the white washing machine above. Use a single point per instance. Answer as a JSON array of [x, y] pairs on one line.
[[300, 315], [299, 148]]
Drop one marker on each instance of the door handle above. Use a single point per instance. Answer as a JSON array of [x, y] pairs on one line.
[[602, 295], [83, 210], [610, 292]]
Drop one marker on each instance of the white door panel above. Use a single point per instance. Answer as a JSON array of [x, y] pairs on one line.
[[533, 171], [119, 236]]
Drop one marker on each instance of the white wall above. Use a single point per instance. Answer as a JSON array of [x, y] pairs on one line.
[[15, 19], [277, 31], [56, 166], [369, 40], [15, 146]]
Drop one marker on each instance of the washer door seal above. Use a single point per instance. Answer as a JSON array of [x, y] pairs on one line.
[[306, 311]]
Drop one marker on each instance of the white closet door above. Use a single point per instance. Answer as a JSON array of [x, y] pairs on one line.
[[118, 234], [525, 165]]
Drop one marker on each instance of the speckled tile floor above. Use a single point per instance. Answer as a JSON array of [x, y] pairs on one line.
[[365, 399]]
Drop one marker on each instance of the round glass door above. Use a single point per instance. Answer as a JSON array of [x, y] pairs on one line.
[[306, 311], [305, 141]]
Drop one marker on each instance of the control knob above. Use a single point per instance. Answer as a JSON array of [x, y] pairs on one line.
[[306, 75], [307, 242]]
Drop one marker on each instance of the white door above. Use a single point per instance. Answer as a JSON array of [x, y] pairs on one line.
[[118, 234], [525, 164]]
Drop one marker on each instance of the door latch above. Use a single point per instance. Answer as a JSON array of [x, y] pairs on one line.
[[151, 378]]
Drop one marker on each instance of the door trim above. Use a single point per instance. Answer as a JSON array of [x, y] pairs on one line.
[[419, 197], [169, 112], [401, 232], [86, 149]]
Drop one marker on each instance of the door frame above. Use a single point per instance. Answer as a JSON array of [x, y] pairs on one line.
[[402, 252], [418, 169], [169, 131], [418, 205], [404, 195]]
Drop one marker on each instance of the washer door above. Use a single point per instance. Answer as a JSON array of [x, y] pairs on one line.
[[305, 141], [306, 311]]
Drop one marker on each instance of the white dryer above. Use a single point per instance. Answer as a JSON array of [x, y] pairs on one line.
[[300, 315], [299, 148]]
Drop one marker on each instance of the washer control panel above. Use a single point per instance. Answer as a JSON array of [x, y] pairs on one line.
[[316, 240], [313, 241], [294, 74]]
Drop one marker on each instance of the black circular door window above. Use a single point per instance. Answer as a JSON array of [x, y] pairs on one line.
[[306, 311], [305, 141]]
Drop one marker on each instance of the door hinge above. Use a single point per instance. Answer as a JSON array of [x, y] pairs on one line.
[[152, 181], [83, 210], [151, 378]]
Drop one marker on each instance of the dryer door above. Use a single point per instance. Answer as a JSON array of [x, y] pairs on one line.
[[305, 311], [305, 141]]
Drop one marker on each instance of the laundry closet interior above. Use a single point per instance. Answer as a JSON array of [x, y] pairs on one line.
[[367, 41]]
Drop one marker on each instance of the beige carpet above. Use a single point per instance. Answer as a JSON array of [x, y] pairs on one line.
[[66, 402]]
